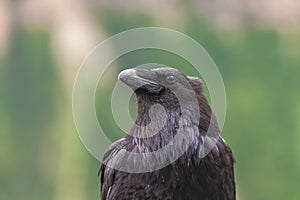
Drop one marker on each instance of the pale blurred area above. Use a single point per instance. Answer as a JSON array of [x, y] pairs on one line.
[[74, 30], [256, 45]]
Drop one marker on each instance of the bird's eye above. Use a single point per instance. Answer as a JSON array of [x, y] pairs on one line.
[[170, 79]]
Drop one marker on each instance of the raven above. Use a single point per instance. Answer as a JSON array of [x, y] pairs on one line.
[[203, 169]]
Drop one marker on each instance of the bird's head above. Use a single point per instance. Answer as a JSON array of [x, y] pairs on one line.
[[161, 85]]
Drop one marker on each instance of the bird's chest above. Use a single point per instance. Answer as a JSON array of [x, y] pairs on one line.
[[165, 184], [144, 186]]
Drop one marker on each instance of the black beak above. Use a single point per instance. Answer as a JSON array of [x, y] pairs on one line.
[[140, 79]]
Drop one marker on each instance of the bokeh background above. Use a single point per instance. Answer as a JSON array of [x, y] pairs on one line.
[[256, 45]]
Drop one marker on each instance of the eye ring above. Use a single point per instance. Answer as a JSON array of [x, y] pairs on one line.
[[170, 79]]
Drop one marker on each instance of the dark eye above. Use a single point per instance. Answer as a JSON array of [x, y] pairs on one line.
[[170, 79]]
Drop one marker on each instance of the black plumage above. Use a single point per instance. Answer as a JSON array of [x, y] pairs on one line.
[[195, 174]]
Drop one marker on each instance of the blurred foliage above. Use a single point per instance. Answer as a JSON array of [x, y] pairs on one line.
[[260, 72], [30, 87]]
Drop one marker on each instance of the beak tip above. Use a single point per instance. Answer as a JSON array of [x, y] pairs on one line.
[[126, 73]]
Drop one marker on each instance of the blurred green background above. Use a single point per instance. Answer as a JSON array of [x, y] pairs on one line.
[[256, 46]]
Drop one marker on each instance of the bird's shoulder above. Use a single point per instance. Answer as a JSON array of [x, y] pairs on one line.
[[218, 169], [106, 173]]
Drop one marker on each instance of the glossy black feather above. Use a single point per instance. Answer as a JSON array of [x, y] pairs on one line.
[[189, 177]]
